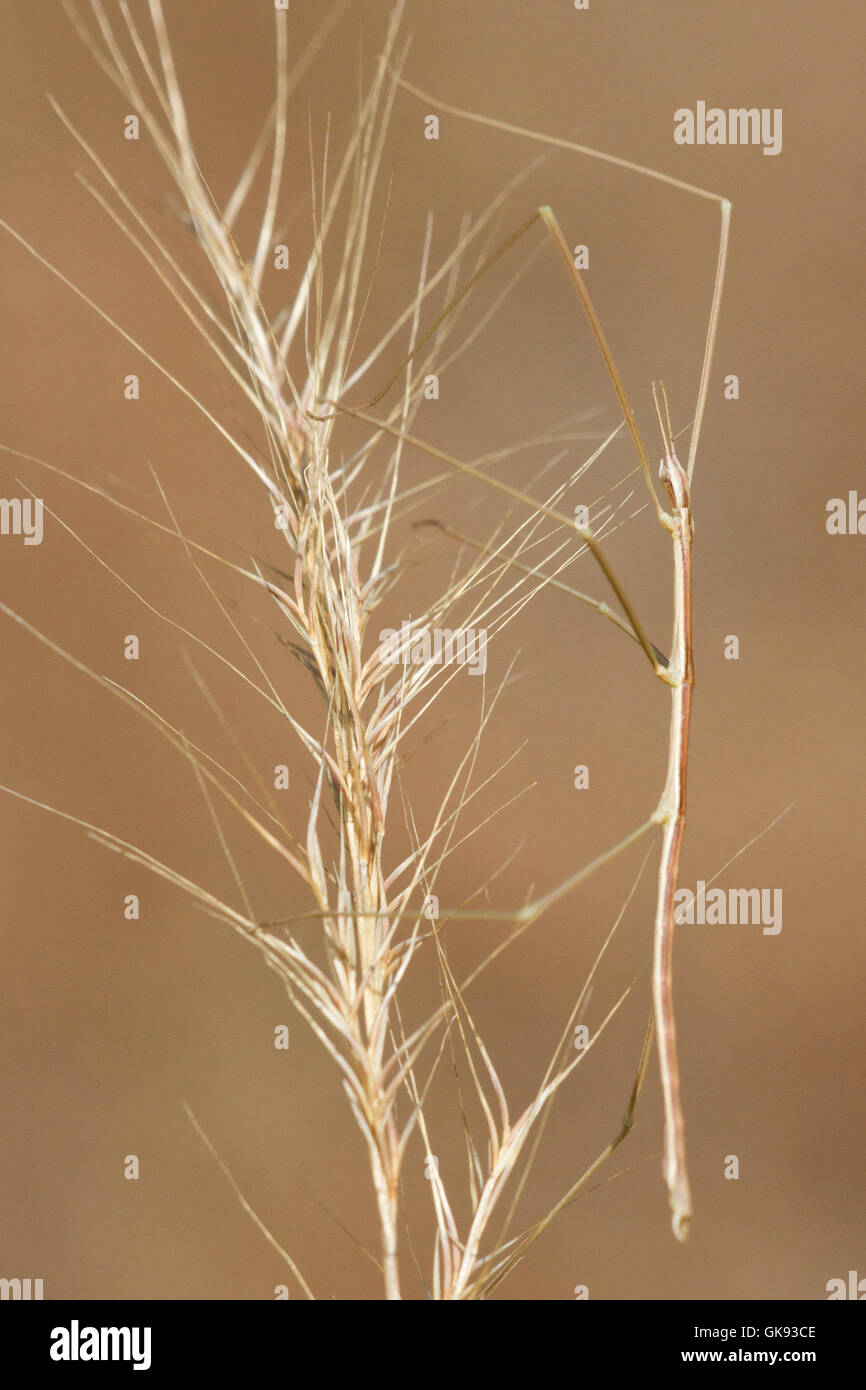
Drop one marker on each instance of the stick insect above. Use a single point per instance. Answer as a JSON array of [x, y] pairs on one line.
[[677, 671]]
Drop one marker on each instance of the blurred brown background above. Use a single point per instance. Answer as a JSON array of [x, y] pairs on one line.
[[108, 1025]]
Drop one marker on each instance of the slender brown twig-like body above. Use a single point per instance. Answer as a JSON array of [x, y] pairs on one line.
[[679, 675], [671, 815]]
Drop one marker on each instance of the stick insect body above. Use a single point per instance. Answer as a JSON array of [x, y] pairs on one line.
[[677, 672]]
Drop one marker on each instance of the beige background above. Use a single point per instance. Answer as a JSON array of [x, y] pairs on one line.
[[107, 1025]]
